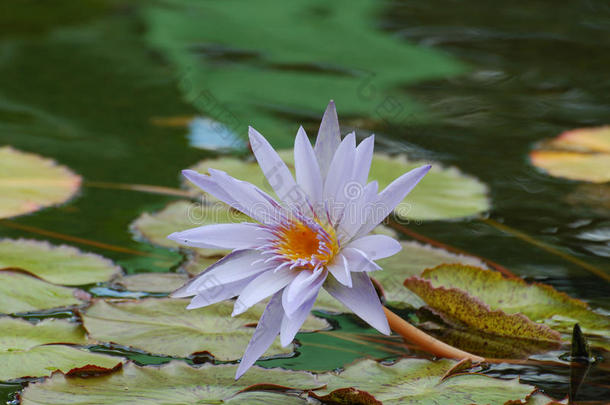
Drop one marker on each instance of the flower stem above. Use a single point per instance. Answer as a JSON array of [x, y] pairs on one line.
[[425, 341]]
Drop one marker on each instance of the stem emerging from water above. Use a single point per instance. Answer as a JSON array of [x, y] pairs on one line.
[[425, 341]]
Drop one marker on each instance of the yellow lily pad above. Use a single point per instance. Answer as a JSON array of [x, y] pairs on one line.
[[29, 182], [580, 154], [57, 264]]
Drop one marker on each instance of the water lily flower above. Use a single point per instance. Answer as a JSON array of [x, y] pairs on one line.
[[316, 236]]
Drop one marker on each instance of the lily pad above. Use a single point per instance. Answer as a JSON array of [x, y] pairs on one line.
[[412, 260], [539, 302], [26, 349], [459, 305], [165, 326], [181, 215], [580, 154], [56, 264], [153, 282], [23, 293], [418, 381], [444, 193], [172, 383], [29, 182]]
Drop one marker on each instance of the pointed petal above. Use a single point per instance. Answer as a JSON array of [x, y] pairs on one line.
[[391, 196], [307, 169], [275, 170], [247, 198], [340, 270], [291, 325], [305, 285], [329, 137], [361, 299], [207, 184], [267, 329], [224, 236], [356, 212], [376, 246], [358, 260], [336, 186], [261, 287], [235, 266], [364, 157]]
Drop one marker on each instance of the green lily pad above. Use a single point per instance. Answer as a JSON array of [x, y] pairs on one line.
[[182, 215], [444, 193], [459, 305], [580, 154], [418, 381], [23, 293], [165, 326], [29, 182], [539, 302], [197, 263], [56, 264], [172, 383], [153, 282], [26, 349]]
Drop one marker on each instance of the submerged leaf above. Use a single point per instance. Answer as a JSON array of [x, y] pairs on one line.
[[444, 193], [172, 383], [29, 182], [56, 264], [23, 293], [418, 381], [539, 302], [25, 349], [165, 326], [580, 154]]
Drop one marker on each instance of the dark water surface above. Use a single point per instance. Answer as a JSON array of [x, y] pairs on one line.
[[84, 82]]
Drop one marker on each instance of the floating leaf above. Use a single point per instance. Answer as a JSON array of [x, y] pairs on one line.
[[580, 154], [56, 264], [412, 260], [458, 305], [182, 215], [418, 381], [444, 193], [539, 302], [29, 182], [198, 263], [172, 383], [165, 326], [23, 293], [153, 282], [25, 349]]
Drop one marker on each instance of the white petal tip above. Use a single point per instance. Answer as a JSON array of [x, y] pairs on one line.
[[284, 342]]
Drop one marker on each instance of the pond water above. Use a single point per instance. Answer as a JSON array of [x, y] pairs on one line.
[[106, 88]]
